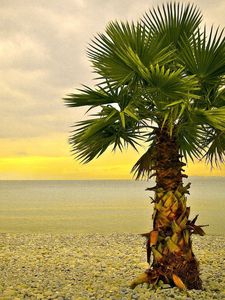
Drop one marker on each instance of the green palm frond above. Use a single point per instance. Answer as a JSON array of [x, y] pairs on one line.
[[170, 85], [215, 144], [189, 138], [92, 97], [105, 94], [124, 54], [204, 56], [92, 137], [172, 21], [201, 133], [171, 93], [214, 117], [219, 99], [143, 167]]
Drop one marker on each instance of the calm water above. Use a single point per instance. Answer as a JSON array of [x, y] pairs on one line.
[[99, 206]]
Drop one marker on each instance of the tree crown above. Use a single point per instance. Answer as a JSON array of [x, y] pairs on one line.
[[163, 71]]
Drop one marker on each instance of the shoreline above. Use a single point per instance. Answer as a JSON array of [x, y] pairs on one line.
[[95, 266]]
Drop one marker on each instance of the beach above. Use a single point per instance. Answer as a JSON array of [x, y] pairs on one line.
[[77, 240], [96, 266]]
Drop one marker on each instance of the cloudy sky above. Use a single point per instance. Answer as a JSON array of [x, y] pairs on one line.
[[42, 56]]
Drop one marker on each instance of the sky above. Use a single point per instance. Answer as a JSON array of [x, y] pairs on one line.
[[43, 58]]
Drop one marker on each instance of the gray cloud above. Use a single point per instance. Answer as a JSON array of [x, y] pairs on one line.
[[42, 56]]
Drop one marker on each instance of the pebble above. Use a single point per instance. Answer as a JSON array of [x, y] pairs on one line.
[[97, 267]]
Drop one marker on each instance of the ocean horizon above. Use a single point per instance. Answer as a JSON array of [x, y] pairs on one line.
[[100, 206]]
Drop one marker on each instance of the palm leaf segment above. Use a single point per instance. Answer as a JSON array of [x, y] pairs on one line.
[[172, 22], [161, 71], [125, 52], [117, 125]]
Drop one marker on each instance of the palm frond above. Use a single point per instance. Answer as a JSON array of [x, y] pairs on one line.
[[171, 84], [125, 52], [92, 137], [172, 21], [143, 167], [189, 139], [92, 97], [219, 99], [215, 144], [203, 55], [214, 117]]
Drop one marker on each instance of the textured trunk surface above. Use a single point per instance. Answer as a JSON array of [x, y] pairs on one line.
[[170, 240]]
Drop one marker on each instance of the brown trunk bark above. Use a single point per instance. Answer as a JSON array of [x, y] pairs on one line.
[[170, 240]]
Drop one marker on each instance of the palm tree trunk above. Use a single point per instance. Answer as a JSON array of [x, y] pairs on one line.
[[170, 239]]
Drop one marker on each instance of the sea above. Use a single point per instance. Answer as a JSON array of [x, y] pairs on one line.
[[101, 206]]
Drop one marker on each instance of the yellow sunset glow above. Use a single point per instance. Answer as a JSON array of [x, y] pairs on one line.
[[50, 158]]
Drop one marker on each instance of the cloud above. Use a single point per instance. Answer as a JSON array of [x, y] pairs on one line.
[[43, 56]]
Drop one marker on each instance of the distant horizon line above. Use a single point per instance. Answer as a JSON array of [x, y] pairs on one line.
[[112, 179]]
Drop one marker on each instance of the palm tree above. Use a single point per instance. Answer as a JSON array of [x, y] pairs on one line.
[[160, 81]]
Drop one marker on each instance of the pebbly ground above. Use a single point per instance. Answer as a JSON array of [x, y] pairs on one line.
[[95, 266]]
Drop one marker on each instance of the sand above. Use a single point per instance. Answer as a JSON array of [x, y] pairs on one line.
[[96, 266]]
